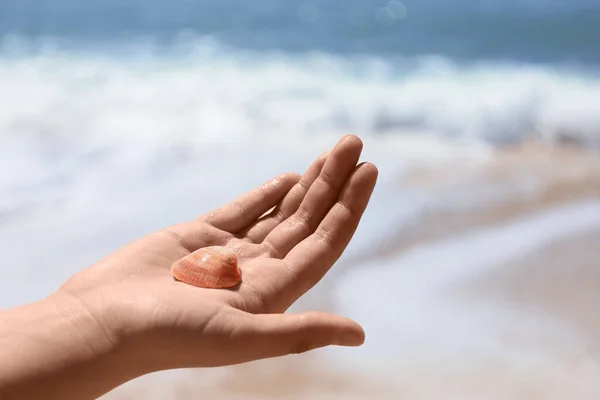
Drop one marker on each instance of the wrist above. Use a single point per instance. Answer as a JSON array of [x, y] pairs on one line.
[[58, 348]]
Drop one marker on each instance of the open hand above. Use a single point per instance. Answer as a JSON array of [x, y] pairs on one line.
[[162, 323]]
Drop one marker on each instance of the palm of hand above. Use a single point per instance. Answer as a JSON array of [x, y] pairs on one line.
[[281, 254]]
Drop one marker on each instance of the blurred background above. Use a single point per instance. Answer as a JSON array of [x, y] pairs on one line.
[[476, 269]]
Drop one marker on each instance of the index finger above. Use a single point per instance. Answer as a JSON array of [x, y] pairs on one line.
[[247, 208]]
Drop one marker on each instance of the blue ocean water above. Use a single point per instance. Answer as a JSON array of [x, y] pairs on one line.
[[533, 66], [529, 61], [550, 31]]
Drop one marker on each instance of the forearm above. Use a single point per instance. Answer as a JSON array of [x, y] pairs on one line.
[[54, 349]]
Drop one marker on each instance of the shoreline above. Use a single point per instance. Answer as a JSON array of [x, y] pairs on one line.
[[555, 176]]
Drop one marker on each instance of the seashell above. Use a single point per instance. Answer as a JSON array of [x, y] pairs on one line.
[[209, 267]]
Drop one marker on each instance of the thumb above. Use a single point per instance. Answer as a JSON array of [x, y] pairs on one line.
[[281, 334]]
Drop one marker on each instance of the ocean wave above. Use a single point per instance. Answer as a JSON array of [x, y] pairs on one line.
[[67, 112], [201, 88]]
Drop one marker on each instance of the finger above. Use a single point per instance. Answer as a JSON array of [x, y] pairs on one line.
[[274, 335], [310, 260], [321, 195], [258, 231], [244, 210]]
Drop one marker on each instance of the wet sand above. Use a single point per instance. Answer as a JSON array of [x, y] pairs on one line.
[[562, 279]]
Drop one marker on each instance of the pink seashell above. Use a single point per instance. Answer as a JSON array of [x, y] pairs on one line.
[[209, 267]]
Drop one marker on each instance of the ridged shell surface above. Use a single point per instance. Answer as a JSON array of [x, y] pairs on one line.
[[209, 267]]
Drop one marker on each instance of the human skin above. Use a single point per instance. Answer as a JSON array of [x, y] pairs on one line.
[[126, 316]]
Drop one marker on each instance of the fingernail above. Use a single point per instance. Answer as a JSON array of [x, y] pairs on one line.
[[350, 338]]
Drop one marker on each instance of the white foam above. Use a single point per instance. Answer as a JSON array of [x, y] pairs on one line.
[[65, 113]]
